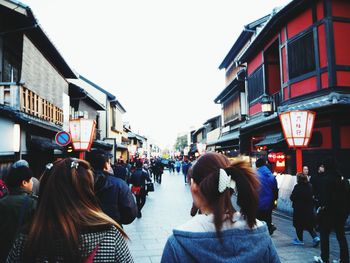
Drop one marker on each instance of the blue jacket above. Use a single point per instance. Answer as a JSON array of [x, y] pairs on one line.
[[239, 245], [268, 188]]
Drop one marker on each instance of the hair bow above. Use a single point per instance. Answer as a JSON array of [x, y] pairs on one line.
[[225, 181]]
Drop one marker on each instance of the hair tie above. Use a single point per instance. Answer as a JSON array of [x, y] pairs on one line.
[[74, 164], [225, 181], [49, 166]]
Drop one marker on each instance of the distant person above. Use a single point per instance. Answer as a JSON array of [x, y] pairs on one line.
[[113, 194], [17, 208], [177, 166], [220, 233], [333, 193], [185, 167], [138, 180], [268, 193], [120, 170], [303, 210], [69, 225]]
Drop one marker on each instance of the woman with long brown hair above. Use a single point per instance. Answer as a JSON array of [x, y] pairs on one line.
[[68, 225], [220, 233]]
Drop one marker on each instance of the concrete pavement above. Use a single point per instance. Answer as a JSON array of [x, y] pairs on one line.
[[169, 206]]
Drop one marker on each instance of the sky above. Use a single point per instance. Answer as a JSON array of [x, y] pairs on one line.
[[160, 58]]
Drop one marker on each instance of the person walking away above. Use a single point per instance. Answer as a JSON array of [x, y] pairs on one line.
[[303, 210], [185, 167], [16, 208], [177, 166], [158, 170], [113, 194], [138, 180], [69, 225], [220, 233], [267, 193], [333, 192], [120, 170]]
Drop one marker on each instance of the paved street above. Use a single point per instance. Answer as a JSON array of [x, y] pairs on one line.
[[169, 207]]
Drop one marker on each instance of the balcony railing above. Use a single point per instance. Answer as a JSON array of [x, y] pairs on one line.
[[25, 100]]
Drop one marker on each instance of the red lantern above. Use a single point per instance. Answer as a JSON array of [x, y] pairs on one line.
[[280, 157], [272, 157]]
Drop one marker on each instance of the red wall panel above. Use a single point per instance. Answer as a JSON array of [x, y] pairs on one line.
[[282, 34], [284, 65], [326, 137], [343, 78], [320, 10], [345, 136], [256, 108], [255, 63], [341, 8], [299, 23], [274, 80], [322, 50], [341, 43], [285, 93], [324, 80], [303, 87]]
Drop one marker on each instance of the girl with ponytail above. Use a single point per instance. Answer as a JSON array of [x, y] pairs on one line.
[[221, 233]]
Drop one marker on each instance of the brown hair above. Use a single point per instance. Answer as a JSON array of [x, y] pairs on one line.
[[301, 178], [205, 173], [66, 206]]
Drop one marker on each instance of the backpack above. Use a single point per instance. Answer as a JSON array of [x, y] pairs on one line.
[[3, 189]]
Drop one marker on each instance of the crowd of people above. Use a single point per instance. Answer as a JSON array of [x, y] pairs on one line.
[[75, 212]]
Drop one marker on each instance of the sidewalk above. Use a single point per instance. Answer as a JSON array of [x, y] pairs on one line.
[[169, 206]]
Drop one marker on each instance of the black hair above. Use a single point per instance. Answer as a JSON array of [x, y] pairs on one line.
[[260, 162], [97, 159], [17, 175]]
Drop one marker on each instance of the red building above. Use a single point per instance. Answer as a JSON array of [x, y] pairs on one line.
[[300, 60]]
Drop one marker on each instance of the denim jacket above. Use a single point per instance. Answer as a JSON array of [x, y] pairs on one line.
[[240, 244]]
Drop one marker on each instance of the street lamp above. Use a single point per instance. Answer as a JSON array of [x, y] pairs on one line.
[[266, 104], [82, 132], [297, 128]]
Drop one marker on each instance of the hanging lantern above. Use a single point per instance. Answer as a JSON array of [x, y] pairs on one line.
[[280, 157], [272, 157], [297, 127], [82, 132]]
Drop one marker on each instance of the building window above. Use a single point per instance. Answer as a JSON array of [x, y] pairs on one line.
[[11, 53], [301, 55], [231, 109], [255, 85]]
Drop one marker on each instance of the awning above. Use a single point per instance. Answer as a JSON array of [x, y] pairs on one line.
[[97, 144], [121, 146], [43, 144], [271, 139], [228, 137]]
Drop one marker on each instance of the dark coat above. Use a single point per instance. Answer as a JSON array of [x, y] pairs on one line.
[[302, 198], [139, 178], [16, 209], [115, 197]]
